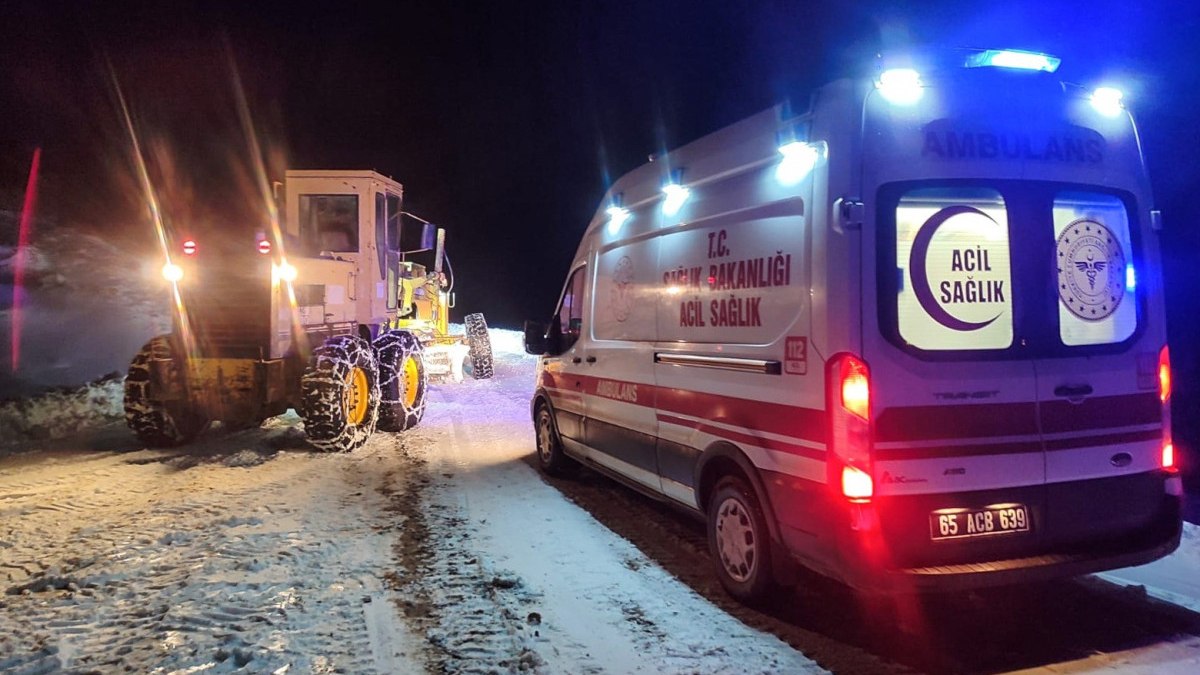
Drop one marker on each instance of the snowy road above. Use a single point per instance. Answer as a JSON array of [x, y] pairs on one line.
[[442, 550]]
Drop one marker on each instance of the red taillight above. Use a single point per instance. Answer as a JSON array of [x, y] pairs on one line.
[[1164, 395], [1164, 374], [264, 246], [855, 387], [857, 484], [189, 247], [1168, 455], [849, 384]]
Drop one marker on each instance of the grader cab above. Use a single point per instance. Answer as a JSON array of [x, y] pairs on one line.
[[328, 314]]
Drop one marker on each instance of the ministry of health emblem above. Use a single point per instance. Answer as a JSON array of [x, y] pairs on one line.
[[1091, 270]]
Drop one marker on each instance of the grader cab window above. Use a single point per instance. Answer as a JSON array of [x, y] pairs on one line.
[[329, 223], [393, 222]]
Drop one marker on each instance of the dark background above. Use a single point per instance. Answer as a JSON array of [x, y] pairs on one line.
[[506, 121]]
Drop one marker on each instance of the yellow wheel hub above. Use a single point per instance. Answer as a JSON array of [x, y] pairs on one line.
[[412, 380], [358, 396]]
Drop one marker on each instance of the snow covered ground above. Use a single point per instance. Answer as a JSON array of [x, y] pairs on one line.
[[436, 550], [439, 549]]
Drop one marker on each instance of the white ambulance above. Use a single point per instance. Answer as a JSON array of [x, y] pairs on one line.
[[912, 339]]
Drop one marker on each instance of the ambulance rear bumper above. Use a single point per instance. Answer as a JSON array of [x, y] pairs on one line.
[[1145, 546]]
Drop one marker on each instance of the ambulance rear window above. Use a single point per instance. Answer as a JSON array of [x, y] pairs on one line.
[[952, 257], [1007, 269], [1096, 277]]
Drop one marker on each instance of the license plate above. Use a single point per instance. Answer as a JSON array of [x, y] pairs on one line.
[[990, 520]]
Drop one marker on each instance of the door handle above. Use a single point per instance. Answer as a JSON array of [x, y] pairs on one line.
[[576, 360], [591, 359], [1073, 391]]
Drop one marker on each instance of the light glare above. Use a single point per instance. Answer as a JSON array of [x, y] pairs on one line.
[[1107, 101], [617, 216], [1130, 278], [798, 160], [856, 483], [172, 272], [676, 195], [900, 86], [284, 271]]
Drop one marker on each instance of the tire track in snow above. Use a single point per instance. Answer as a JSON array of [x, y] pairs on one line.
[[470, 615]]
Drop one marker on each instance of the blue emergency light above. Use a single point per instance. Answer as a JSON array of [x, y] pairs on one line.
[[900, 86], [1013, 58]]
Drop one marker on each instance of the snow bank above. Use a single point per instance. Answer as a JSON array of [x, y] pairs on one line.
[[61, 413], [88, 302], [1175, 578]]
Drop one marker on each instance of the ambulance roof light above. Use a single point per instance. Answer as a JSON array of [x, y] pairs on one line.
[[675, 194], [617, 215], [1107, 101], [799, 158], [1014, 58], [900, 86]]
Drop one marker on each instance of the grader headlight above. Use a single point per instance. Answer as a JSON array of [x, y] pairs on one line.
[[283, 271], [172, 272]]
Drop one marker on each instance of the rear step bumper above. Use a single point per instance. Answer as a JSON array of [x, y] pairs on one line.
[[1147, 546]]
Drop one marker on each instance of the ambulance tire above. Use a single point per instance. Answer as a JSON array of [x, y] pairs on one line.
[[403, 380], [339, 394], [551, 458], [157, 423], [481, 346], [739, 541]]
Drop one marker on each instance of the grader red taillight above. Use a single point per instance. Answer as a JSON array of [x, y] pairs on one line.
[[849, 387]]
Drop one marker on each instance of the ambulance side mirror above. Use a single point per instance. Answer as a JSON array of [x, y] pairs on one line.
[[535, 338]]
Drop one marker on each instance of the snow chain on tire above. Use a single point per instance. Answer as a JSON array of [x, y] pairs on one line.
[[403, 380], [481, 346], [156, 422], [329, 398]]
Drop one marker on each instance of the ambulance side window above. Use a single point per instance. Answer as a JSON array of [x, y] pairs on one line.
[[1096, 277], [570, 312]]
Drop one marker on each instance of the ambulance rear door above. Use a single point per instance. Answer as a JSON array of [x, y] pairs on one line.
[[1097, 365], [959, 465]]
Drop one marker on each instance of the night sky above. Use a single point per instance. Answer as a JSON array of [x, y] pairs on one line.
[[506, 121]]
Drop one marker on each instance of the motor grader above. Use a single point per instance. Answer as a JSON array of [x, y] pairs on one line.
[[329, 315]]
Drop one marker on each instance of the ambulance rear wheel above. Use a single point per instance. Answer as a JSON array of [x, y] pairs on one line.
[[739, 541], [156, 422], [551, 458], [339, 394], [403, 380], [481, 346]]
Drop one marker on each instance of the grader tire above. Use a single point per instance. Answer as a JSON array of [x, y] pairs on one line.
[[339, 394], [480, 345], [403, 380], [156, 422]]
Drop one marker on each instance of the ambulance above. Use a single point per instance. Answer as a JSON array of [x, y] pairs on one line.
[[911, 339]]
